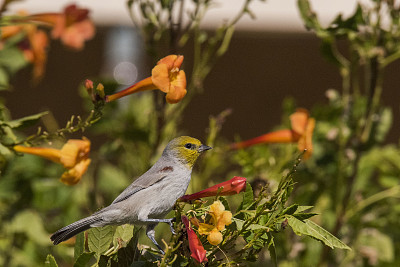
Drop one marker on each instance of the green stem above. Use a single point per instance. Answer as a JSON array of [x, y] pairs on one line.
[[374, 101], [391, 192]]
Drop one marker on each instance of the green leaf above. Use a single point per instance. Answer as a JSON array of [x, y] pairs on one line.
[[271, 249], [31, 224], [25, 121], [83, 259], [303, 208], [248, 198], [4, 79], [224, 202], [129, 255], [383, 125], [122, 235], [379, 242], [50, 261], [12, 59], [291, 209], [79, 245], [313, 230], [304, 216], [239, 225], [100, 238]]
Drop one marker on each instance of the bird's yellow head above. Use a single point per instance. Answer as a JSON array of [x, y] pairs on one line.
[[186, 149]]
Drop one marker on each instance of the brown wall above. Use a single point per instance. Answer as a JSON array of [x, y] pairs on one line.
[[256, 74]]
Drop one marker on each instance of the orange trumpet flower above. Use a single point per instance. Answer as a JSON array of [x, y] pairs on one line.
[[73, 26], [33, 46], [165, 76], [74, 156], [302, 127]]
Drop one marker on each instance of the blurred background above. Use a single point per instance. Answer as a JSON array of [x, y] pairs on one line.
[[270, 58]]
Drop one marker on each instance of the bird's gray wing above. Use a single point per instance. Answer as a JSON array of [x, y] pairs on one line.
[[146, 180]]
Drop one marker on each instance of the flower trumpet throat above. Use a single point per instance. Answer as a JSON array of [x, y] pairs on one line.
[[143, 85], [166, 76]]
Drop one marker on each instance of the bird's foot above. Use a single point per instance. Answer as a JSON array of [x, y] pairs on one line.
[[171, 225]]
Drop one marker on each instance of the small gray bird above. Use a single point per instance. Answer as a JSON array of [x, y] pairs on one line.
[[150, 197]]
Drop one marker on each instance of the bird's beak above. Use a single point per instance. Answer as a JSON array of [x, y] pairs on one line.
[[204, 148]]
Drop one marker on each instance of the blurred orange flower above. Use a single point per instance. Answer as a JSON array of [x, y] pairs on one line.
[[219, 218], [74, 156], [165, 76], [73, 26], [302, 127], [33, 46], [36, 53]]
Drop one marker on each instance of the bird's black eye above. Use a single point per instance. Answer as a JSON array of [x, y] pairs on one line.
[[188, 145]]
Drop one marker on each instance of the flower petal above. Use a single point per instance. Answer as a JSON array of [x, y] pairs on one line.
[[74, 151], [47, 153], [177, 89], [225, 219], [160, 77], [205, 229], [299, 121], [215, 237], [195, 246], [217, 208], [305, 141], [74, 175]]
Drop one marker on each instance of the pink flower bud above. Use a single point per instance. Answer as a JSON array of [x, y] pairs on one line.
[[88, 84]]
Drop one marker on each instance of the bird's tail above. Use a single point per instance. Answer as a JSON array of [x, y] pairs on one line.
[[69, 231]]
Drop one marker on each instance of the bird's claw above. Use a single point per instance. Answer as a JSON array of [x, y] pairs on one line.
[[172, 226]]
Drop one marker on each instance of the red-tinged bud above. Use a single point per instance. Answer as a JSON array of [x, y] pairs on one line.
[[233, 186], [88, 84], [195, 246], [100, 90]]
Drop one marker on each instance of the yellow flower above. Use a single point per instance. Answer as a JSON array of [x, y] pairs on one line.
[[165, 76], [214, 237], [73, 175], [74, 156], [219, 218]]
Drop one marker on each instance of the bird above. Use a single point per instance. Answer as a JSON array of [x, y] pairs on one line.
[[150, 197]]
